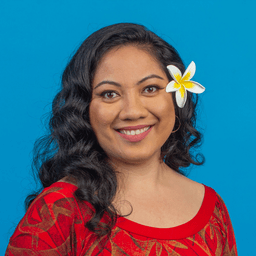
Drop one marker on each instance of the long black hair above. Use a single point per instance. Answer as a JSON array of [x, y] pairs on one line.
[[71, 148]]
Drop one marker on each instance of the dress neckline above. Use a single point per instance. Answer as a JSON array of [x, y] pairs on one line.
[[182, 231], [179, 232]]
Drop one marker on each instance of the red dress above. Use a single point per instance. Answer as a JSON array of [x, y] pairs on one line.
[[55, 225]]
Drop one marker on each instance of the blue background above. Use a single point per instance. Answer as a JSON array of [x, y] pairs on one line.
[[37, 40]]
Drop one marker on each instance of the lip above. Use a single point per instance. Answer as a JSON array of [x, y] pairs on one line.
[[135, 138]]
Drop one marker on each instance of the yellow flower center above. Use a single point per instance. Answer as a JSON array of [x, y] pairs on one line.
[[188, 84], [186, 77], [182, 91]]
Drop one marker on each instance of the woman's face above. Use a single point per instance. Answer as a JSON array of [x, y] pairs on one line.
[[130, 112]]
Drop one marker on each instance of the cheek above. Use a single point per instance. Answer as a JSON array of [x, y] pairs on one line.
[[100, 116], [164, 106], [164, 110]]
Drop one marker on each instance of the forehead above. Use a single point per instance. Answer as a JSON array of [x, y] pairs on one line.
[[127, 63]]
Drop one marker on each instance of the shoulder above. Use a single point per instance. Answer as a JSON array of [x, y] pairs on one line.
[[221, 214], [59, 196], [220, 204], [51, 223], [219, 211], [59, 200], [58, 191], [222, 221]]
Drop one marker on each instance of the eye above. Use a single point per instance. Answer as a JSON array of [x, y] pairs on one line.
[[151, 89], [108, 94]]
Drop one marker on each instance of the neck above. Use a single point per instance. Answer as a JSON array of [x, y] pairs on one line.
[[138, 178]]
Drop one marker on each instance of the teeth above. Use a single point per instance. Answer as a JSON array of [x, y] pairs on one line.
[[138, 132], [134, 132]]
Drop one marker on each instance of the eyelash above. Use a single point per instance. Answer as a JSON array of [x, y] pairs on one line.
[[106, 92], [153, 86]]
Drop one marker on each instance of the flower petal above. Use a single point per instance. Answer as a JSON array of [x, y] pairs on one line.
[[174, 72], [190, 71], [181, 97], [194, 87], [172, 86]]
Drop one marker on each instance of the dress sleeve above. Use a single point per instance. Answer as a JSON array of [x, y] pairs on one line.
[[229, 236], [47, 227]]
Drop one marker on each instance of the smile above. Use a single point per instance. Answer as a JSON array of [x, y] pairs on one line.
[[134, 132], [135, 135]]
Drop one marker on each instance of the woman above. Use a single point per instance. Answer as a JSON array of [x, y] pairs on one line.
[[110, 167]]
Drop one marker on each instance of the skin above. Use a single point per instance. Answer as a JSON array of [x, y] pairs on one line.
[[140, 98]]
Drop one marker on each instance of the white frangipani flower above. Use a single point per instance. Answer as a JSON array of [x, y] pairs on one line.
[[182, 84]]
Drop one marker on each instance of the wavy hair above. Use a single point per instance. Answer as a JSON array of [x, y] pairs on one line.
[[71, 148]]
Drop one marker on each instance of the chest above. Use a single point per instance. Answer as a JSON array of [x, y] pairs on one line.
[[160, 212], [204, 243]]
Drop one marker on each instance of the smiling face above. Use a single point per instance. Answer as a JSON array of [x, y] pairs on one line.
[[130, 112]]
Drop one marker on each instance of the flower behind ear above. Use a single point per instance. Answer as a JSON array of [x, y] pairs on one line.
[[181, 84]]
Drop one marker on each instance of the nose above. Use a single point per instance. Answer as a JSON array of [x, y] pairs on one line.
[[133, 108]]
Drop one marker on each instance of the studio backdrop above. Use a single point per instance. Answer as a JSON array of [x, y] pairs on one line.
[[37, 40]]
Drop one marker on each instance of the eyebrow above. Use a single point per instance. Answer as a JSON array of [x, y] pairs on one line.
[[119, 85]]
